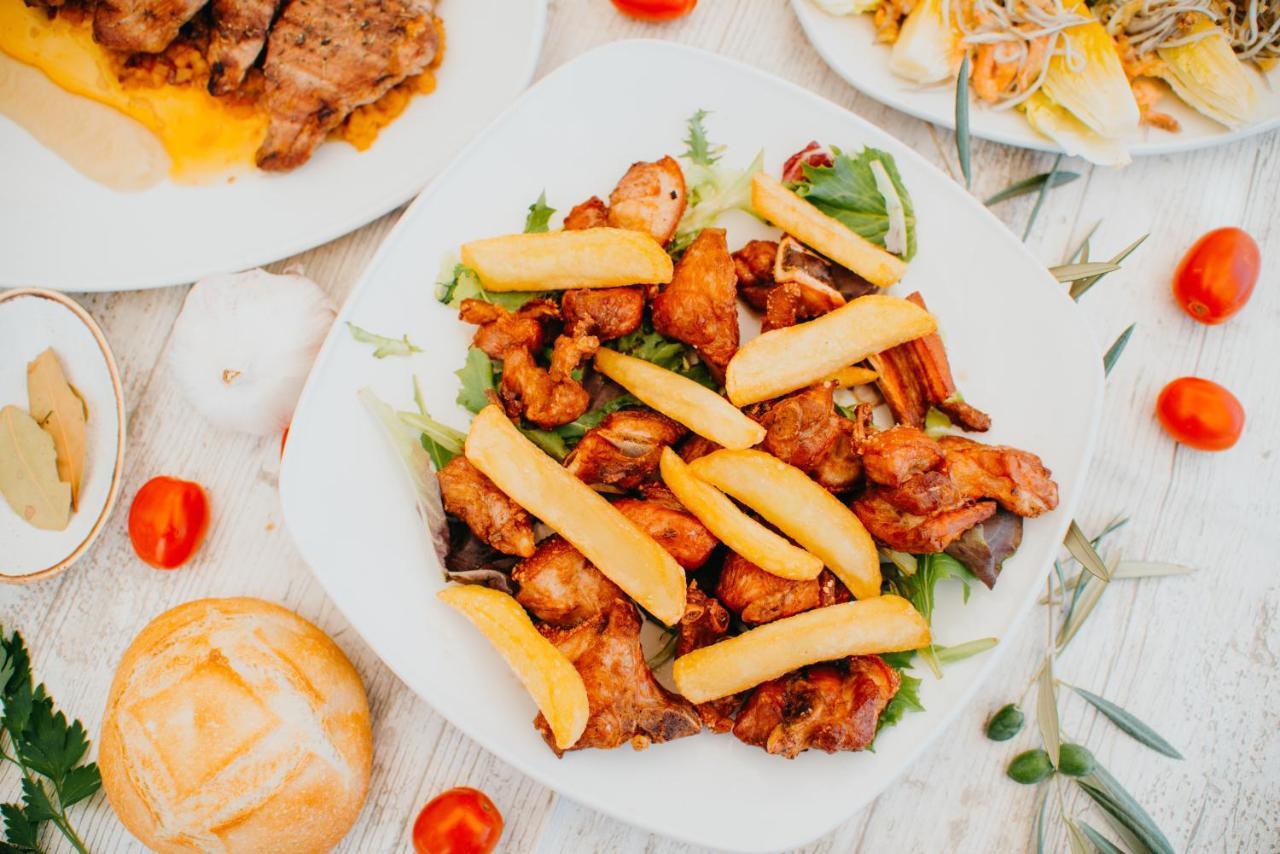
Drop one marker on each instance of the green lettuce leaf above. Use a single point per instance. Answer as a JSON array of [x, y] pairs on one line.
[[846, 191], [539, 215]]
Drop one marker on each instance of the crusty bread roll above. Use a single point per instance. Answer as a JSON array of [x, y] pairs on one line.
[[235, 725]]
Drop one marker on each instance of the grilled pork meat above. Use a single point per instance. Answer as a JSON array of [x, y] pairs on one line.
[[700, 306], [561, 587], [141, 26], [549, 397], [592, 213], [606, 313], [488, 512], [239, 33], [759, 597], [327, 57], [672, 527], [502, 331], [626, 703], [623, 450], [830, 707], [649, 198], [705, 622]]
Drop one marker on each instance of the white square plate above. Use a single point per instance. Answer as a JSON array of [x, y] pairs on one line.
[[1017, 344]]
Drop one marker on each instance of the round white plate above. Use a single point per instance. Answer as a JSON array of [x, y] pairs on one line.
[[848, 45], [31, 322], [1018, 344], [60, 230]]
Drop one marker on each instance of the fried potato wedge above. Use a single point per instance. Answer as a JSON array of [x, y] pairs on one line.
[[681, 399], [822, 233], [801, 509], [627, 556], [852, 376], [783, 360], [546, 672], [737, 530], [865, 627], [555, 260]]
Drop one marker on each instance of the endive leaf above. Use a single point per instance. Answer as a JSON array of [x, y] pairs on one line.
[[29, 472], [62, 413]]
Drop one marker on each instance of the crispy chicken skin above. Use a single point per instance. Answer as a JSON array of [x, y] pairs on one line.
[[606, 313], [700, 306], [673, 527], [650, 198], [623, 450], [759, 597], [753, 264], [548, 397], [626, 703], [781, 307], [1017, 479], [805, 430], [502, 331], [892, 456], [561, 587], [592, 213], [918, 534], [829, 707], [141, 26], [327, 57], [696, 446], [705, 622], [488, 512], [239, 34]]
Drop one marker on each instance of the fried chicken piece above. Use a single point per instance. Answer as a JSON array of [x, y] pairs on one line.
[[805, 430], [1016, 479], [502, 331], [705, 622], [753, 264], [782, 307], [558, 585], [840, 468], [592, 213], [650, 197], [759, 597], [700, 306], [488, 512], [673, 527], [797, 264], [141, 26], [324, 59], [892, 456], [623, 450], [696, 446], [606, 313], [830, 707], [626, 703], [550, 397], [918, 534], [239, 34]]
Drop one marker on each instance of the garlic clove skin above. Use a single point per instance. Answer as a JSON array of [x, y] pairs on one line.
[[244, 344]]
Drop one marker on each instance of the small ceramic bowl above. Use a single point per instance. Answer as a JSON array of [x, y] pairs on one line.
[[31, 321]]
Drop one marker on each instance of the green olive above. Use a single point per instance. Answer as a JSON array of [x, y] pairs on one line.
[[1030, 766], [1005, 724], [1076, 761]]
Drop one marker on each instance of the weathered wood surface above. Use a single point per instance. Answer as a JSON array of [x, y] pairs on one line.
[[1195, 656]]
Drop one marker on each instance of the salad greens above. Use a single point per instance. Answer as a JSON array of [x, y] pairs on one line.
[[539, 215], [712, 189], [383, 345], [847, 191], [461, 282]]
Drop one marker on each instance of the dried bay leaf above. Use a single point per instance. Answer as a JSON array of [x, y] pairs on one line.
[[62, 412], [29, 472]]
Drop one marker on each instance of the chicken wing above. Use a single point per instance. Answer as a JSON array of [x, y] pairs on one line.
[[705, 622], [830, 707], [606, 313], [561, 587], [650, 198], [892, 456], [759, 597], [592, 213], [624, 449], [700, 306], [1016, 479], [673, 527], [502, 331], [627, 704], [488, 512], [915, 533], [549, 397]]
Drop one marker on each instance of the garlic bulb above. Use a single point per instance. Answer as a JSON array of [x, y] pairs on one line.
[[244, 343]]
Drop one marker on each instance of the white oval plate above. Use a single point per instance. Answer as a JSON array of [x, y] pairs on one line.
[[31, 322], [848, 45], [1018, 344], [58, 229]]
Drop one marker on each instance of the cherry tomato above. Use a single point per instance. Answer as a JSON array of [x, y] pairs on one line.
[[655, 10], [1200, 413], [461, 820], [167, 521], [1217, 275]]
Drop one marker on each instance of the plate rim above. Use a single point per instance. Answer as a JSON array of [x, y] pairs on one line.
[[362, 215], [1021, 610], [117, 470], [808, 16]]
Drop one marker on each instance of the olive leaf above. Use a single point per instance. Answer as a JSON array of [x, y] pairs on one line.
[[1117, 803], [1081, 252], [1091, 592], [60, 410], [29, 472], [1044, 802], [1081, 285], [1102, 843], [1031, 185], [1083, 551], [1044, 194], [1075, 838], [1114, 352], [962, 120], [961, 651], [1047, 712], [1128, 723], [1076, 272]]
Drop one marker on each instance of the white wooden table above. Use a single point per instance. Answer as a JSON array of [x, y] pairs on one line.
[[1196, 656]]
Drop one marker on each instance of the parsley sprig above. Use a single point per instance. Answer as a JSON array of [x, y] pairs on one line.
[[47, 751]]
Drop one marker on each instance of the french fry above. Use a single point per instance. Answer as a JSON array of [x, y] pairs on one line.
[[801, 509], [554, 260], [737, 530], [852, 376], [627, 555], [865, 627], [783, 360], [545, 671], [827, 235], [680, 398]]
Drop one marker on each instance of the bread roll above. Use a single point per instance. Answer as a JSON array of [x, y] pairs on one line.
[[235, 725]]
